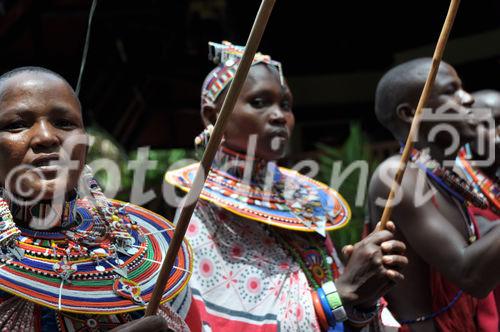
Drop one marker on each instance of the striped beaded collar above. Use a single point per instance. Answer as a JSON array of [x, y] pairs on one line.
[[260, 190], [106, 263]]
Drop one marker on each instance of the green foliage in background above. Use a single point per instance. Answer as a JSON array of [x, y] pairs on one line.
[[355, 148], [154, 177], [103, 145]]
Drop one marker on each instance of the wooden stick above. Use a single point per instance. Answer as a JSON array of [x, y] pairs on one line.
[[212, 147], [436, 59]]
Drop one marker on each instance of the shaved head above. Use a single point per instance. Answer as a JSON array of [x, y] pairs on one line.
[[4, 78], [399, 90], [401, 84]]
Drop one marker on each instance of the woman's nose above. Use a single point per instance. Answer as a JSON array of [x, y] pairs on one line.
[[278, 116], [44, 135]]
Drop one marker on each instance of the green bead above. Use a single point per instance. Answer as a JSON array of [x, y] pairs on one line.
[[334, 300]]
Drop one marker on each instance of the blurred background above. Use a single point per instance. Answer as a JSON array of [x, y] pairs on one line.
[[147, 60]]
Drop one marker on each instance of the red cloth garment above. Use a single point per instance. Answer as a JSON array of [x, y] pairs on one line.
[[489, 307], [487, 314], [460, 317], [193, 318], [468, 313]]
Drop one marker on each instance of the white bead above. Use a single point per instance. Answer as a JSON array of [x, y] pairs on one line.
[[329, 287]]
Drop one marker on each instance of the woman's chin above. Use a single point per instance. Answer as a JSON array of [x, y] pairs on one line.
[[43, 190], [273, 155]]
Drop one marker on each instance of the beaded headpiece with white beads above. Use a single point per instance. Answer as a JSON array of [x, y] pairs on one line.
[[228, 56]]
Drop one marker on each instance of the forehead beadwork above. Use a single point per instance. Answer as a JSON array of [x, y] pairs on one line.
[[227, 57]]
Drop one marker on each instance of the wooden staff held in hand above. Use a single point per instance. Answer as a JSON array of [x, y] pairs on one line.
[[209, 154], [436, 60]]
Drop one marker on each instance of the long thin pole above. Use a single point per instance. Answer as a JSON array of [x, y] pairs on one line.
[[213, 145], [436, 60], [85, 48]]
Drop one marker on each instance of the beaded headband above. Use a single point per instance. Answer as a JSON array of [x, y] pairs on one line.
[[227, 57]]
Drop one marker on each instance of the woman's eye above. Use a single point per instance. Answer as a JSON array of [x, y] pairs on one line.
[[65, 124], [286, 105], [15, 126], [258, 102]]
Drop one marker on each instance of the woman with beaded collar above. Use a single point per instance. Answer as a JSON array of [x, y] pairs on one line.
[[70, 258], [263, 260]]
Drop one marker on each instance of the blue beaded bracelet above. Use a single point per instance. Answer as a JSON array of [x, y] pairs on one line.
[[326, 307]]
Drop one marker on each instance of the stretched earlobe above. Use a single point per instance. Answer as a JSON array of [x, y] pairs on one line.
[[209, 113], [405, 112]]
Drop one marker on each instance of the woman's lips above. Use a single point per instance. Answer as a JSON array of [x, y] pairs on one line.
[[45, 160], [49, 172], [48, 165], [280, 133]]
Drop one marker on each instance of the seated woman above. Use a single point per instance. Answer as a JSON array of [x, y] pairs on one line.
[[72, 260], [263, 259]]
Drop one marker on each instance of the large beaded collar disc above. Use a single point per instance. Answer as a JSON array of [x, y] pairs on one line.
[[107, 262], [293, 201]]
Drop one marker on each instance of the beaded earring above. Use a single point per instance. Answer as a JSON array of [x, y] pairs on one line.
[[201, 141], [8, 230]]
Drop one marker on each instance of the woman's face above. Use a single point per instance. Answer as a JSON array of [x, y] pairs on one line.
[[40, 124], [264, 109]]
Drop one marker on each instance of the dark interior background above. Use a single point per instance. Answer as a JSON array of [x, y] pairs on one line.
[[147, 59]]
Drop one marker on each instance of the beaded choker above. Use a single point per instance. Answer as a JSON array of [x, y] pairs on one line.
[[43, 215]]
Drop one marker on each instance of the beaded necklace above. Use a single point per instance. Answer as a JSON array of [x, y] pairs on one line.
[[320, 270], [457, 187], [434, 314], [450, 181], [307, 258], [268, 187], [260, 190], [99, 247], [482, 182]]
